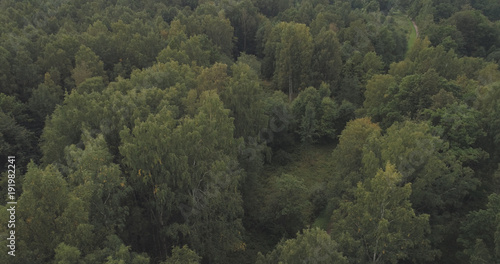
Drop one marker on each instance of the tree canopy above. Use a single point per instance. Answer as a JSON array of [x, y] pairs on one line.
[[250, 131]]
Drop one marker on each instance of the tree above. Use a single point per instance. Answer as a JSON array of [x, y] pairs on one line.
[[244, 96], [293, 53], [408, 99], [66, 124], [183, 255], [309, 124], [488, 103], [490, 8], [476, 42], [359, 35], [480, 233], [310, 246], [355, 72], [99, 182], [243, 17], [59, 54], [44, 100], [197, 49], [188, 178], [66, 254], [306, 109], [288, 208], [217, 28], [87, 64], [328, 123], [390, 44], [49, 214], [460, 125], [379, 225], [347, 156], [415, 92], [15, 137], [92, 84], [439, 178], [326, 61], [377, 93], [7, 83], [422, 58]]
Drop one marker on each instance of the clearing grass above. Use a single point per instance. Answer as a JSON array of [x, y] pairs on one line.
[[310, 163], [404, 22], [313, 165], [412, 36], [323, 219]]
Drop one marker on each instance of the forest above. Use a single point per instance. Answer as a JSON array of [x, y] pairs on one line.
[[249, 131]]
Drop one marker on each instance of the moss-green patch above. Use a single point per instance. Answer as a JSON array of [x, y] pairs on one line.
[[322, 220], [412, 36], [311, 163], [404, 22]]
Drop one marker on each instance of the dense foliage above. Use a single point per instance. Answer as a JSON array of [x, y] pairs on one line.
[[251, 131]]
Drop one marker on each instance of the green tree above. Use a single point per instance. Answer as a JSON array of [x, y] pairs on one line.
[[326, 61], [244, 96], [188, 178], [460, 125], [476, 42], [49, 214], [488, 103], [288, 208], [306, 110], [15, 138], [379, 225], [66, 254], [439, 178], [7, 83], [421, 58], [87, 64], [66, 124], [183, 255], [217, 28], [377, 93], [480, 233], [122, 255], [359, 34], [99, 182], [328, 123], [310, 246], [59, 54], [347, 156], [293, 53], [480, 253], [391, 44], [355, 72], [309, 124], [408, 99], [243, 17], [92, 84], [44, 100]]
